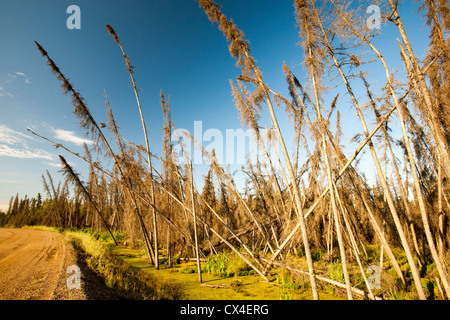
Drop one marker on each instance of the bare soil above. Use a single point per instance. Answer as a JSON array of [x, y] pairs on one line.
[[33, 266]]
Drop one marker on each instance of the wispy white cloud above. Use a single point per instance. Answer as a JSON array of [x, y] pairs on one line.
[[4, 92], [24, 153], [54, 164], [10, 136], [35, 124], [24, 76], [57, 164], [12, 77], [14, 144], [70, 136]]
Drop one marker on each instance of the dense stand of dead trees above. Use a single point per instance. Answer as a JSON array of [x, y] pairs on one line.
[[323, 203]]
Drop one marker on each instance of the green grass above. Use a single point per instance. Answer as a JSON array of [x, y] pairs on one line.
[[289, 284], [43, 228], [335, 271], [227, 264], [128, 281]]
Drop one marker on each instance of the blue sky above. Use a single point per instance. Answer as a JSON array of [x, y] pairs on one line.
[[173, 48]]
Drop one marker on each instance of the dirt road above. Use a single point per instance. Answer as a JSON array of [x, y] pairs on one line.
[[33, 265]]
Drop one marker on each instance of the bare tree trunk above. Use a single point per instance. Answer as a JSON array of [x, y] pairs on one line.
[[441, 213], [426, 225], [404, 194], [432, 120], [357, 183], [144, 128], [199, 268], [325, 156], [296, 195], [354, 244], [414, 270], [341, 172]]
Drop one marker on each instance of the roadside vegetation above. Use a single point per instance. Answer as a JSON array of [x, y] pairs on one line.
[[315, 224], [126, 281]]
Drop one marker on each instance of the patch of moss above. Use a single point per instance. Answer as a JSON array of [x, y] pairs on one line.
[[241, 287]]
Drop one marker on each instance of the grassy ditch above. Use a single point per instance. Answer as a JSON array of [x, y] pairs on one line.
[[127, 281]]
